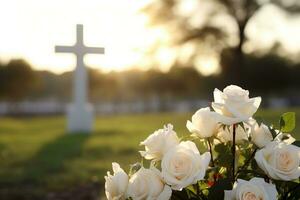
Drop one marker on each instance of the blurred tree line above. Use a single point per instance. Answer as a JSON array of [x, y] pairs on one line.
[[17, 80], [265, 75]]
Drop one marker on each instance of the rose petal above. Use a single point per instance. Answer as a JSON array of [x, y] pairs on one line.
[[218, 96], [190, 126], [218, 107], [166, 193], [228, 195]]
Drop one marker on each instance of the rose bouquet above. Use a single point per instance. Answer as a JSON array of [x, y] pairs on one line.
[[241, 158]]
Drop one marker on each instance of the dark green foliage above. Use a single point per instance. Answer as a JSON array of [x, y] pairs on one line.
[[223, 155], [297, 143], [17, 80], [217, 191], [179, 195]]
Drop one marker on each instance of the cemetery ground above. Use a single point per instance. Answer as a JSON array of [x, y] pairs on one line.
[[39, 160]]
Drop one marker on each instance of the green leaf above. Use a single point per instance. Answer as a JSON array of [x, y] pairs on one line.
[[287, 122], [223, 155], [191, 191]]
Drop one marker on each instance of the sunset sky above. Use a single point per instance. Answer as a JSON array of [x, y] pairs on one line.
[[30, 29]]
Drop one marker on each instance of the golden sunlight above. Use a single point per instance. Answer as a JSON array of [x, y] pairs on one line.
[[30, 30], [207, 65], [35, 27]]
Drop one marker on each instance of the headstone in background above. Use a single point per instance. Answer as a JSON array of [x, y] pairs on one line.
[[80, 113]]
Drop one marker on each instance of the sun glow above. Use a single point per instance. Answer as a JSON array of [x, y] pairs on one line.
[[207, 65], [31, 29]]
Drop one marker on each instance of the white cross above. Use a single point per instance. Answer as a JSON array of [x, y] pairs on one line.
[[80, 80]]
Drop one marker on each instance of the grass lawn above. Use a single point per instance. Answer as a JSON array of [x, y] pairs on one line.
[[37, 156]]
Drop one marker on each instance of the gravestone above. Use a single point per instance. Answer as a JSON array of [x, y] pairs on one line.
[[80, 113]]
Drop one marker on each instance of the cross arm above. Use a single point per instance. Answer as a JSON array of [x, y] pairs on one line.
[[95, 50], [64, 49]]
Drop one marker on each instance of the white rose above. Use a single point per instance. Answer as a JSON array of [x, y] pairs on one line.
[[148, 184], [204, 123], [234, 104], [279, 160], [226, 135], [158, 143], [116, 185], [183, 165], [255, 189], [260, 135]]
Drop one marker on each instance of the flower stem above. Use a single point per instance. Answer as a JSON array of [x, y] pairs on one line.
[[233, 153], [211, 153], [211, 158]]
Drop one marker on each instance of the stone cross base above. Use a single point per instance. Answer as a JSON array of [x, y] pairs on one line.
[[80, 119]]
